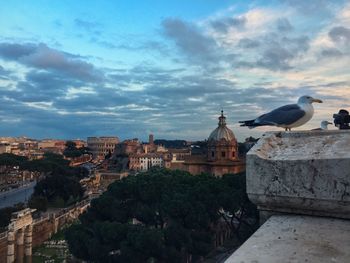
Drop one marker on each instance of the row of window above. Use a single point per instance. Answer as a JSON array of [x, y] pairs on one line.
[[223, 154]]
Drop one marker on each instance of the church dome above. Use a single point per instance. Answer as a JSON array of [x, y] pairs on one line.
[[222, 132]]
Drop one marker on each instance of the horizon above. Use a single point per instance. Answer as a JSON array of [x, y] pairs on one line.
[[130, 68]]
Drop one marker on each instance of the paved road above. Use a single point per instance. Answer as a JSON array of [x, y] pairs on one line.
[[14, 196]]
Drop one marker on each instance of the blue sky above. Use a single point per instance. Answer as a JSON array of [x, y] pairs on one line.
[[72, 69]]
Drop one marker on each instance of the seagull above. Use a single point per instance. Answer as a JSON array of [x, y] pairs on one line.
[[288, 116], [324, 126]]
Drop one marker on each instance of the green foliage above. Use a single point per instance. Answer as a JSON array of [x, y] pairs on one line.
[[10, 159], [175, 215], [5, 214], [58, 190], [38, 202]]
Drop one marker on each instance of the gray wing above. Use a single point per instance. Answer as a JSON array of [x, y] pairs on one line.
[[284, 115]]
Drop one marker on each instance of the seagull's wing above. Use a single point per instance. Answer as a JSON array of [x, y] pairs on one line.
[[284, 115]]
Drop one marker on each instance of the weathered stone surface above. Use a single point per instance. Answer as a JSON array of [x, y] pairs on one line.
[[301, 172], [292, 239]]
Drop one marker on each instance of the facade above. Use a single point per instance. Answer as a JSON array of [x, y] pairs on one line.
[[128, 147], [101, 146], [52, 146], [5, 148], [145, 161], [174, 158], [222, 153]]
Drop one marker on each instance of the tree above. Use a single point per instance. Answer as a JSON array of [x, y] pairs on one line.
[[57, 190], [157, 216], [10, 159], [39, 203], [243, 216]]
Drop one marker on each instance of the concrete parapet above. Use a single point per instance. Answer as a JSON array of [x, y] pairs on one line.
[[293, 239], [305, 172]]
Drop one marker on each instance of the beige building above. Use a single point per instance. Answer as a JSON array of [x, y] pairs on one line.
[[101, 146], [145, 161], [5, 148]]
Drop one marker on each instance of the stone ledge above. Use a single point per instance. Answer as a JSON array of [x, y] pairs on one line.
[[305, 172], [292, 239]]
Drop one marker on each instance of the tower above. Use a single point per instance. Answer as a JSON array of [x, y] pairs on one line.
[[222, 143]]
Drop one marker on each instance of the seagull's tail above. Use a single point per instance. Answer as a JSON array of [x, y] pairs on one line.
[[251, 124]]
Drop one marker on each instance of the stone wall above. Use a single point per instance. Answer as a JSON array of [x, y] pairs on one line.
[[3, 246], [44, 228]]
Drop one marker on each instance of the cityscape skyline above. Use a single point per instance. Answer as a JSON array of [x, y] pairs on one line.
[[129, 68]]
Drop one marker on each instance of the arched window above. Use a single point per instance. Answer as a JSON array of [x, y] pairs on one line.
[[223, 154], [212, 154]]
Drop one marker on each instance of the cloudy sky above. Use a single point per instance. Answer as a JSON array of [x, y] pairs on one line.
[[72, 69]]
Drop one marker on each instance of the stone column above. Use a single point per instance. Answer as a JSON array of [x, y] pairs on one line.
[[28, 243], [20, 247], [11, 246]]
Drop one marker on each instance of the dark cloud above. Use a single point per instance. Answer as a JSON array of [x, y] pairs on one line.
[[248, 43], [13, 51], [331, 52], [224, 24], [190, 40], [340, 34], [42, 57], [40, 86], [283, 25], [279, 53], [4, 74]]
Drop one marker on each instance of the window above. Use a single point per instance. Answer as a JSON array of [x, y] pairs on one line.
[[223, 154], [233, 154], [212, 154]]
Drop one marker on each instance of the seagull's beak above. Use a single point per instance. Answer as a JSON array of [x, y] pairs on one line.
[[317, 100], [328, 122]]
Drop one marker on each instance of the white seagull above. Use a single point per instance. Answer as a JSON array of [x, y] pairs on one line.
[[288, 116], [324, 126]]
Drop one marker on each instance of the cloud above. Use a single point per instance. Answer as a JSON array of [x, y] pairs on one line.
[[13, 51], [40, 56], [88, 26], [311, 8], [277, 53], [283, 25], [4, 74], [189, 40], [224, 24], [340, 34], [248, 43], [331, 53]]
